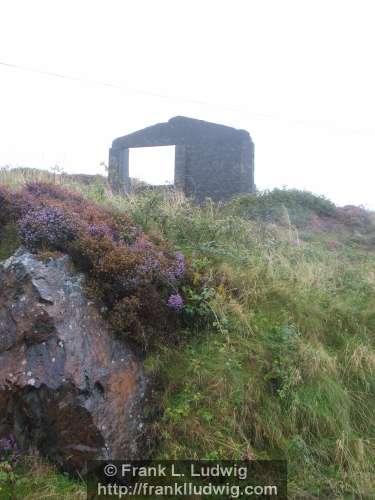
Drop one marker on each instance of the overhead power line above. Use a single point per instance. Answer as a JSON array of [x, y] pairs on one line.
[[104, 84], [128, 88], [268, 116]]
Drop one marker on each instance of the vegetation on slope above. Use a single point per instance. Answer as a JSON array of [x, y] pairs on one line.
[[284, 364], [137, 279], [287, 367]]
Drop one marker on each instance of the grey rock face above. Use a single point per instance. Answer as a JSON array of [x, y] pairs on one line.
[[67, 386]]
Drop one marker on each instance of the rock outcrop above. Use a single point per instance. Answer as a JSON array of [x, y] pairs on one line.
[[67, 386]]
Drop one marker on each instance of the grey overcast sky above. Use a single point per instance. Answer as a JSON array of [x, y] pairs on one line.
[[297, 74]]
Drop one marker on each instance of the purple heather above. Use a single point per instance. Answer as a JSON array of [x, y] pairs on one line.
[[175, 302]]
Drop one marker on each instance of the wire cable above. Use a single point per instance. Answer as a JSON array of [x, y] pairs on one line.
[[270, 116]]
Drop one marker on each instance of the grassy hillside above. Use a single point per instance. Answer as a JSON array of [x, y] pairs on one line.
[[285, 366]]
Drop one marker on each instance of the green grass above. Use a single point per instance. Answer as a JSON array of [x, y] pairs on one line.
[[286, 369], [9, 241], [35, 479]]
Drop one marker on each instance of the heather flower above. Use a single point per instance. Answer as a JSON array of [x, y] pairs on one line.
[[180, 265], [100, 231], [151, 257], [8, 449], [150, 264], [7, 443], [47, 227], [178, 268], [175, 302]]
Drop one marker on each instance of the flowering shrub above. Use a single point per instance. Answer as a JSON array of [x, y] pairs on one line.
[[45, 190], [13, 205], [47, 227], [133, 281], [138, 279]]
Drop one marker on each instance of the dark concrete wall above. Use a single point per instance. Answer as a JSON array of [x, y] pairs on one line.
[[217, 171], [211, 161], [118, 170]]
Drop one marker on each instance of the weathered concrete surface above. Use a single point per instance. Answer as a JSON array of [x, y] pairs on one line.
[[211, 161], [67, 387]]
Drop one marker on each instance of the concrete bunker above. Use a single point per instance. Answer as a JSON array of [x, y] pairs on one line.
[[211, 161]]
